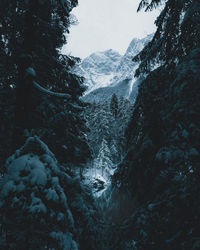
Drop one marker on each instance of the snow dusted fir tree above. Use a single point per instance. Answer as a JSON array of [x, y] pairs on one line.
[[101, 121], [34, 212], [104, 161], [33, 208]]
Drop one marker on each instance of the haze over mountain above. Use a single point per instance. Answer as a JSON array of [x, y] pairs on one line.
[[108, 72]]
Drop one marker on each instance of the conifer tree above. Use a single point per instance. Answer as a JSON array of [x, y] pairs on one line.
[[176, 36], [32, 34], [104, 159], [114, 105], [160, 166], [34, 210]]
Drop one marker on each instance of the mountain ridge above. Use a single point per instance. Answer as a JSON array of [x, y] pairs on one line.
[[108, 72]]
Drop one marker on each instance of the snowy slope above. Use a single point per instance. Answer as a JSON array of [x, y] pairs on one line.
[[124, 88]]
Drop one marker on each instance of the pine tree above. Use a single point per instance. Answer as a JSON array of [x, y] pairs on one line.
[[114, 105], [161, 163], [102, 122], [176, 36], [34, 209], [104, 159], [32, 34]]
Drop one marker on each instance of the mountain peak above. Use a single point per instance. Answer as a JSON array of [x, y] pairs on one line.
[[108, 68]]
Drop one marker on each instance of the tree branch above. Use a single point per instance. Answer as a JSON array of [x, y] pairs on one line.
[[48, 92]]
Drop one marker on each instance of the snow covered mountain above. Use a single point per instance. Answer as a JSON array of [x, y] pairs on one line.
[[126, 67], [98, 68], [108, 72]]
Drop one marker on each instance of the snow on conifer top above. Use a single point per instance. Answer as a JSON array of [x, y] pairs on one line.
[[32, 189]]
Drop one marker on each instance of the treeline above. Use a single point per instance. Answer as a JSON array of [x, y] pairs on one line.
[[107, 122]]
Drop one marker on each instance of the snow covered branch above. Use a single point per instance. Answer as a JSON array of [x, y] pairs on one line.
[[48, 92], [31, 72]]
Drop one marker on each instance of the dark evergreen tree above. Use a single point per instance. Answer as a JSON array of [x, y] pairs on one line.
[[161, 165], [114, 105], [169, 48], [32, 34]]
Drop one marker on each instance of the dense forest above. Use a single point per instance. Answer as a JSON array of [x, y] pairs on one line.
[[110, 175]]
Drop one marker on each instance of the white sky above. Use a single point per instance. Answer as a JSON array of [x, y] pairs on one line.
[[107, 24]]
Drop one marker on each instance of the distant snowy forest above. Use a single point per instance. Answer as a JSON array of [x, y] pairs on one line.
[[101, 153]]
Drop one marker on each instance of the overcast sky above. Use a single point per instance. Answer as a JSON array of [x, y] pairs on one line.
[[107, 24]]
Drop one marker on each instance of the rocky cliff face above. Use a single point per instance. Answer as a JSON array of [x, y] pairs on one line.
[[108, 72], [126, 67]]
